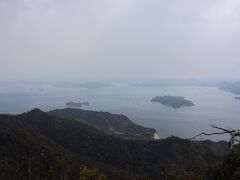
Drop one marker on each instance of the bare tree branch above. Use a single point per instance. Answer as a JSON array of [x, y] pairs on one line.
[[226, 130], [237, 140], [209, 134], [233, 133]]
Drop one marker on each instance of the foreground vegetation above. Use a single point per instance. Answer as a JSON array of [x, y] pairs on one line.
[[41, 146]]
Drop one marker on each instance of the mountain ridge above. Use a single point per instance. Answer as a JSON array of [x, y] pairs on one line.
[[57, 147], [107, 122]]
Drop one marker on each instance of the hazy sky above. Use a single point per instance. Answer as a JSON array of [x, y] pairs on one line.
[[98, 39]]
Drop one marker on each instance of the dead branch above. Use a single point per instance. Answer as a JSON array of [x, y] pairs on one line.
[[226, 130], [208, 134], [233, 133]]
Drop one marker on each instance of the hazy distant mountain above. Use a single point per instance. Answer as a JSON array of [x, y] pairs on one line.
[[53, 148], [232, 87], [68, 84], [172, 82], [109, 123]]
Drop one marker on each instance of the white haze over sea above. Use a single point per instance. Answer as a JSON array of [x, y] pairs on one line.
[[212, 106], [110, 40]]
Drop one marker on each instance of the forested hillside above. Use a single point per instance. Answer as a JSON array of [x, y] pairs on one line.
[[51, 148]]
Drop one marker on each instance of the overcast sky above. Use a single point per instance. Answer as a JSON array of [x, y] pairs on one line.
[[100, 39]]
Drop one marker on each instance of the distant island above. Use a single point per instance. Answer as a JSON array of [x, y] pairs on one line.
[[40, 89], [237, 97], [175, 102], [89, 85], [76, 104]]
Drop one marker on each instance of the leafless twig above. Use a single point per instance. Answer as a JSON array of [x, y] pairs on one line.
[[233, 133]]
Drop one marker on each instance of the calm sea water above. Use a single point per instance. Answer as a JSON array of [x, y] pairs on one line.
[[212, 106]]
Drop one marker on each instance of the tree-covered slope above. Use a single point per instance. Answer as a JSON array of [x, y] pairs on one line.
[[24, 151], [58, 147], [107, 122]]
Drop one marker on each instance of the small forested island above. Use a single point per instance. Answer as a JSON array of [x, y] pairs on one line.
[[175, 102], [40, 89], [76, 104], [237, 97]]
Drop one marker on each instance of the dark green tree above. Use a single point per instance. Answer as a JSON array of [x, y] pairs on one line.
[[91, 174], [228, 168]]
